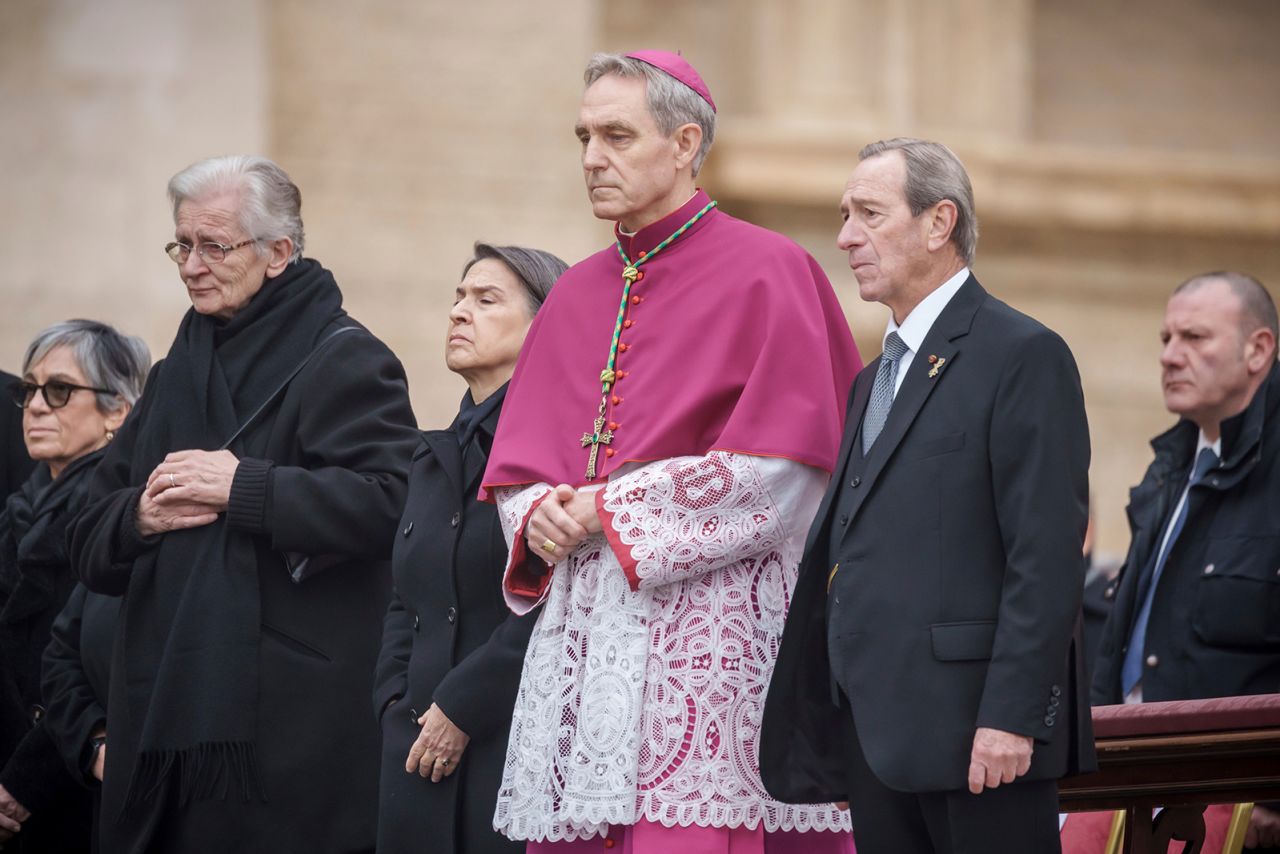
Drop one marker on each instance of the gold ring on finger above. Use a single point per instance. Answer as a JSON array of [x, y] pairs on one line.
[[173, 481], [549, 547]]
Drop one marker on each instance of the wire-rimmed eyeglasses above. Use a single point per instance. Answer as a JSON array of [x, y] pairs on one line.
[[209, 251]]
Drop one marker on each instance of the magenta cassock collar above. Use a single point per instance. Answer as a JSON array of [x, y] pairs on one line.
[[734, 341]]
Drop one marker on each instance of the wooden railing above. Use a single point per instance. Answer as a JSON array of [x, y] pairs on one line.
[[1181, 756]]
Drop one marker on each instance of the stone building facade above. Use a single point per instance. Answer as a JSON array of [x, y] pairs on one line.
[[1115, 149]]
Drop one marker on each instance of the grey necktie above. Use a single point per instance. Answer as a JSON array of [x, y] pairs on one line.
[[882, 391]]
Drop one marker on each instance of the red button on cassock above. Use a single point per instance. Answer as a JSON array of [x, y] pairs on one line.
[[622, 348], [617, 401], [609, 452], [627, 324], [609, 843], [613, 425], [636, 300]]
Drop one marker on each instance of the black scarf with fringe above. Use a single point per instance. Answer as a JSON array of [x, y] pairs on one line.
[[186, 655]]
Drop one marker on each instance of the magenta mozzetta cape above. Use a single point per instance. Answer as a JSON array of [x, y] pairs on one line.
[[735, 342]]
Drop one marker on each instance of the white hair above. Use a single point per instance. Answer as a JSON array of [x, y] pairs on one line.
[[270, 204]]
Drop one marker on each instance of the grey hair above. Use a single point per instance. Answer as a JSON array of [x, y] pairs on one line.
[[671, 103], [537, 270], [107, 358], [934, 173], [1257, 306], [269, 203]]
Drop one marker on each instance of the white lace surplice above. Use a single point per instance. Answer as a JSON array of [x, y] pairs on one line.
[[644, 681]]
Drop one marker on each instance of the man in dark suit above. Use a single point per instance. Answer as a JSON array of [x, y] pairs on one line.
[[929, 670], [1197, 603]]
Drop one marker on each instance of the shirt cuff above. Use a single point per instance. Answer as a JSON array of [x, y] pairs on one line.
[[250, 494]]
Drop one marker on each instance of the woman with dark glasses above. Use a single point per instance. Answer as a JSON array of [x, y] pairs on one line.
[[79, 380]]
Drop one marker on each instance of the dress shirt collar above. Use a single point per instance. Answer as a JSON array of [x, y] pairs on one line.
[[917, 324], [1203, 442]]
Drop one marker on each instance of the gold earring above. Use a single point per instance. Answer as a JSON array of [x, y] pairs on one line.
[[110, 435]]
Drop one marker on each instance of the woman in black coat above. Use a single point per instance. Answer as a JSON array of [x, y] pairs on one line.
[[451, 650], [246, 514], [79, 380]]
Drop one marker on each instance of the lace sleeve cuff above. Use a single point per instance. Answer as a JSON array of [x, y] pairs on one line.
[[620, 549], [527, 578]]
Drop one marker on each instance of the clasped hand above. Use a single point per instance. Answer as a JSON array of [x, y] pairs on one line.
[[438, 748], [565, 518], [12, 815], [187, 490]]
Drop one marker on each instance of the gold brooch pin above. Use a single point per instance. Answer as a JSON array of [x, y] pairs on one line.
[[937, 365]]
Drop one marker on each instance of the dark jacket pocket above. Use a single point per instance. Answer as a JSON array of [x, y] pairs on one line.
[[293, 643], [967, 641], [933, 447], [1238, 593]]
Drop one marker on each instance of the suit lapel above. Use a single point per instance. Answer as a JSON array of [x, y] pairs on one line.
[[953, 324], [444, 446]]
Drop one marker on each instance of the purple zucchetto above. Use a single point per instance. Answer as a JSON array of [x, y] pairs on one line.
[[678, 67]]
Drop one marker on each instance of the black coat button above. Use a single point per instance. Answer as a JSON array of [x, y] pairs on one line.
[[1055, 691], [856, 482], [413, 715], [844, 520], [1048, 720], [416, 622], [37, 713], [1053, 703], [457, 517], [408, 529], [452, 614]]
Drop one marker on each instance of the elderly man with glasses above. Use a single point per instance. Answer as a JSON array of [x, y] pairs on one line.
[[246, 514]]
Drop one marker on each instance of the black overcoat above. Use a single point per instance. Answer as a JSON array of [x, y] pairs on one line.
[[323, 473], [450, 639], [37, 581], [1214, 629], [52, 771], [77, 667], [960, 575]]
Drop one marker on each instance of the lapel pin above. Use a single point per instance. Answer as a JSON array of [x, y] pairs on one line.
[[937, 365]]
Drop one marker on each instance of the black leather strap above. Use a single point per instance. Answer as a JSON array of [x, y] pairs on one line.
[[271, 398]]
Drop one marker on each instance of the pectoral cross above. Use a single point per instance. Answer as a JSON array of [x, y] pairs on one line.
[[599, 436]]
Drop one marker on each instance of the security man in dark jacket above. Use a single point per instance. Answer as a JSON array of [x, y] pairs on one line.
[[1197, 603]]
